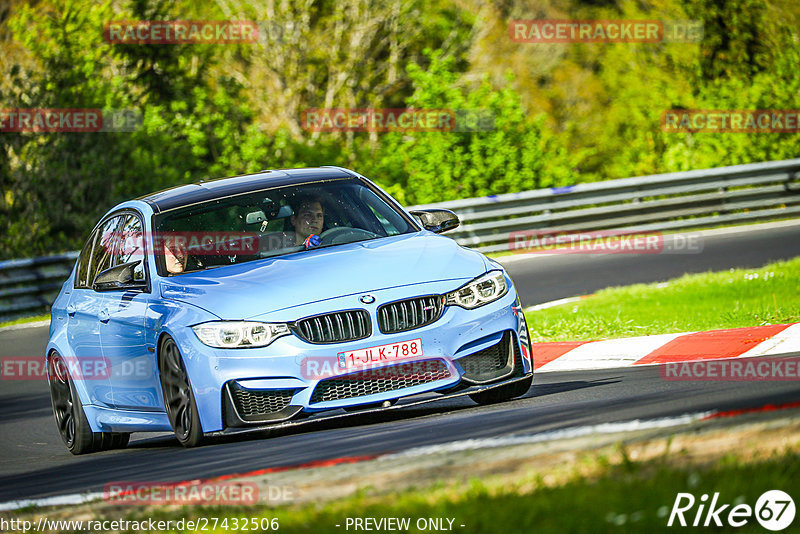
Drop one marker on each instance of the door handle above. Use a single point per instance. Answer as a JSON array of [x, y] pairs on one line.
[[104, 316], [71, 310]]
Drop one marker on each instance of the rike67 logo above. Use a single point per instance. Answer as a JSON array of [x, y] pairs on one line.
[[774, 510]]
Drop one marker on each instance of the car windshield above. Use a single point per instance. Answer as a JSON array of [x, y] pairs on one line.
[[271, 223]]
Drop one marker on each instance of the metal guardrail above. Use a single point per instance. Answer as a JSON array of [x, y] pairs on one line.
[[661, 202], [28, 286]]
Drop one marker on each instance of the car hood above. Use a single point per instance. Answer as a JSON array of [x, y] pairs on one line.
[[262, 286]]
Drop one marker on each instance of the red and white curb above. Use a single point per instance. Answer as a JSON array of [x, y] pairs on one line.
[[770, 340]]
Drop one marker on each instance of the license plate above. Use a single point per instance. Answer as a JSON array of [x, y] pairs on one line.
[[379, 354]]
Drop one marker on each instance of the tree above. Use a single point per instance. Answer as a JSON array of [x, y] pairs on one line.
[[514, 153]]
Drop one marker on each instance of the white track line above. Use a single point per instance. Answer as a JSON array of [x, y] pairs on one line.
[[21, 326], [454, 446], [61, 500], [552, 303], [554, 435]]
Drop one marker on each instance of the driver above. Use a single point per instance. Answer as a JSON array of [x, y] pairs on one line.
[[308, 218]]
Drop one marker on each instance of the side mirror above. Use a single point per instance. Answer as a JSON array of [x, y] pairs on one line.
[[118, 277], [437, 220]]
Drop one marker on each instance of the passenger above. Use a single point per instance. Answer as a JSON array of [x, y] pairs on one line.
[[175, 255]]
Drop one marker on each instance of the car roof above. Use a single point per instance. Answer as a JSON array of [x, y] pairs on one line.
[[184, 195]]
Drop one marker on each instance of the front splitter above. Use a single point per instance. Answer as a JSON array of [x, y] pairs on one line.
[[325, 416]]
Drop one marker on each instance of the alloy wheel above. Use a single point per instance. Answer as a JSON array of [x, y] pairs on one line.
[[177, 395], [62, 399]]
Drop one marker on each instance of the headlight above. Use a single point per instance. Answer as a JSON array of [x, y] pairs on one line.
[[483, 290], [239, 334]]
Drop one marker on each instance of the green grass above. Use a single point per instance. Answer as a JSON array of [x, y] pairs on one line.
[[627, 496], [23, 320], [708, 301]]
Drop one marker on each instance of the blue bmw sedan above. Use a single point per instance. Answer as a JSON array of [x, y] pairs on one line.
[[272, 299]]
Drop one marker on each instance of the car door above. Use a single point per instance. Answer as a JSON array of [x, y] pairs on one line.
[[83, 316], [134, 374]]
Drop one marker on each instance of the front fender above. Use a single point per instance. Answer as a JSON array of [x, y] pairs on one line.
[[169, 318]]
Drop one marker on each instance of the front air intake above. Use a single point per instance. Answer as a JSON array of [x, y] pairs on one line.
[[492, 363], [243, 406], [381, 380]]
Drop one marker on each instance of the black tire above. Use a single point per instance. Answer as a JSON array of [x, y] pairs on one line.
[[119, 440], [503, 393], [73, 427], [178, 395]]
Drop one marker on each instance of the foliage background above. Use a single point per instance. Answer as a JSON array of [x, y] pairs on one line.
[[564, 113]]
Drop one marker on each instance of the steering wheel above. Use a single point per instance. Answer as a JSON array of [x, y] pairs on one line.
[[345, 234]]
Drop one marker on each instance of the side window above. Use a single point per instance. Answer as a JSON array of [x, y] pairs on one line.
[[95, 253], [81, 277], [100, 258], [130, 245]]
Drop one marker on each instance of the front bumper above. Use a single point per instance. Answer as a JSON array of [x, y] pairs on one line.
[[274, 386], [498, 364], [339, 414]]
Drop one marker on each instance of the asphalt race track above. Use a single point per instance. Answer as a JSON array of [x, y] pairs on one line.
[[34, 462]]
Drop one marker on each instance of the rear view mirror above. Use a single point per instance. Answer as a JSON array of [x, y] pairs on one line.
[[255, 217], [437, 220]]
